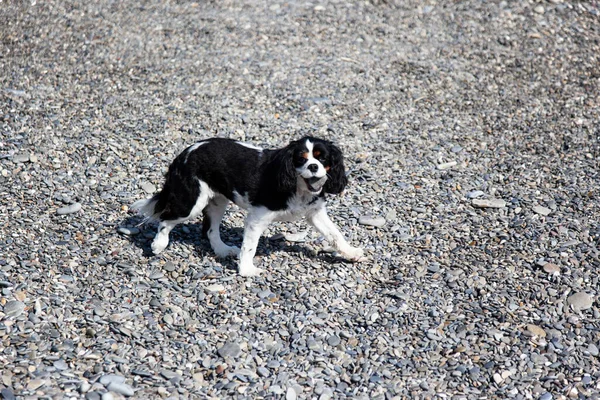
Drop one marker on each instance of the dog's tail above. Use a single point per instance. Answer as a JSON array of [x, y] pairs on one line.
[[147, 207]]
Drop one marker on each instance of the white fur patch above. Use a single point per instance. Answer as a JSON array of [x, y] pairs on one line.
[[193, 148], [250, 146]]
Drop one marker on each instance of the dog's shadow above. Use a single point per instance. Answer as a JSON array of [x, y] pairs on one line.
[[191, 235]]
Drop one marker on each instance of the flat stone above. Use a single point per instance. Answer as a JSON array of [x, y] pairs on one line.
[[148, 187], [21, 157], [128, 231], [35, 384], [489, 203], [70, 209], [296, 237], [230, 349], [333, 340], [542, 210], [551, 268], [111, 378], [377, 222], [446, 165], [539, 9], [474, 194], [536, 330], [215, 288], [60, 365], [291, 394], [593, 350], [7, 394], [14, 308], [121, 388], [580, 301]]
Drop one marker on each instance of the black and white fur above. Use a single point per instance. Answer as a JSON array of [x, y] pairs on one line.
[[273, 185]]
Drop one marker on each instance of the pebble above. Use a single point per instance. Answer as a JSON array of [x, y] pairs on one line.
[[111, 378], [70, 209], [230, 349], [551, 268], [128, 231], [542, 210], [7, 394], [121, 388], [539, 9], [148, 187], [21, 157], [474, 194], [489, 203], [291, 394], [446, 165], [580, 301], [377, 222], [216, 288], [593, 350], [35, 384], [14, 308], [536, 330], [296, 237], [108, 396], [546, 396], [334, 340]]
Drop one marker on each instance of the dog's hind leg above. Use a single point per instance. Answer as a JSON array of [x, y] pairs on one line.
[[213, 214], [177, 208]]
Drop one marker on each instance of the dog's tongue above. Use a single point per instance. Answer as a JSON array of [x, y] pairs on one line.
[[315, 183]]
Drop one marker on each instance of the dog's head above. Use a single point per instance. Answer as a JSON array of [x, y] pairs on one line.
[[312, 165]]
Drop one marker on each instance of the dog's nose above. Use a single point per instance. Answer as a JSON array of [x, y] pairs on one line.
[[313, 168]]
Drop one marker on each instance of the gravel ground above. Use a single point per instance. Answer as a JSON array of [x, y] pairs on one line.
[[471, 131]]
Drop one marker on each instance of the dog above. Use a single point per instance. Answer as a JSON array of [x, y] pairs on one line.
[[272, 184]]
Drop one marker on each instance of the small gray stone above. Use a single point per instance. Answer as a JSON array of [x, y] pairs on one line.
[[111, 378], [229, 349], [489, 203], [121, 388], [14, 308], [128, 231], [546, 396], [593, 350], [539, 9], [215, 288], [333, 340], [70, 209], [377, 222], [291, 394], [21, 157], [542, 210], [85, 387], [446, 165], [580, 301], [93, 396], [296, 237], [60, 365], [474, 194], [169, 267], [148, 187], [263, 372], [7, 394], [108, 396], [552, 269]]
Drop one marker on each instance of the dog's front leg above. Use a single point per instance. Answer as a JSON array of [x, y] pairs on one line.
[[320, 220], [257, 222]]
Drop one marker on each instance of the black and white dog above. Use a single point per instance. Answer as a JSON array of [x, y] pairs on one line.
[[273, 185]]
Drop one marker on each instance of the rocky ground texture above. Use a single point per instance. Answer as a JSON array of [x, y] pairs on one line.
[[471, 132]]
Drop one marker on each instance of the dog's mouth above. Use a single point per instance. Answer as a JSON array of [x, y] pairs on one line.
[[315, 184]]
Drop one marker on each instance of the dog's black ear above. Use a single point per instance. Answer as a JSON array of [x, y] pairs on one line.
[[286, 177], [336, 176]]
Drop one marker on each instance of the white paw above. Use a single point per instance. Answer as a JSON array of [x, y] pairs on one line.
[[248, 270], [353, 254], [226, 251], [159, 244]]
